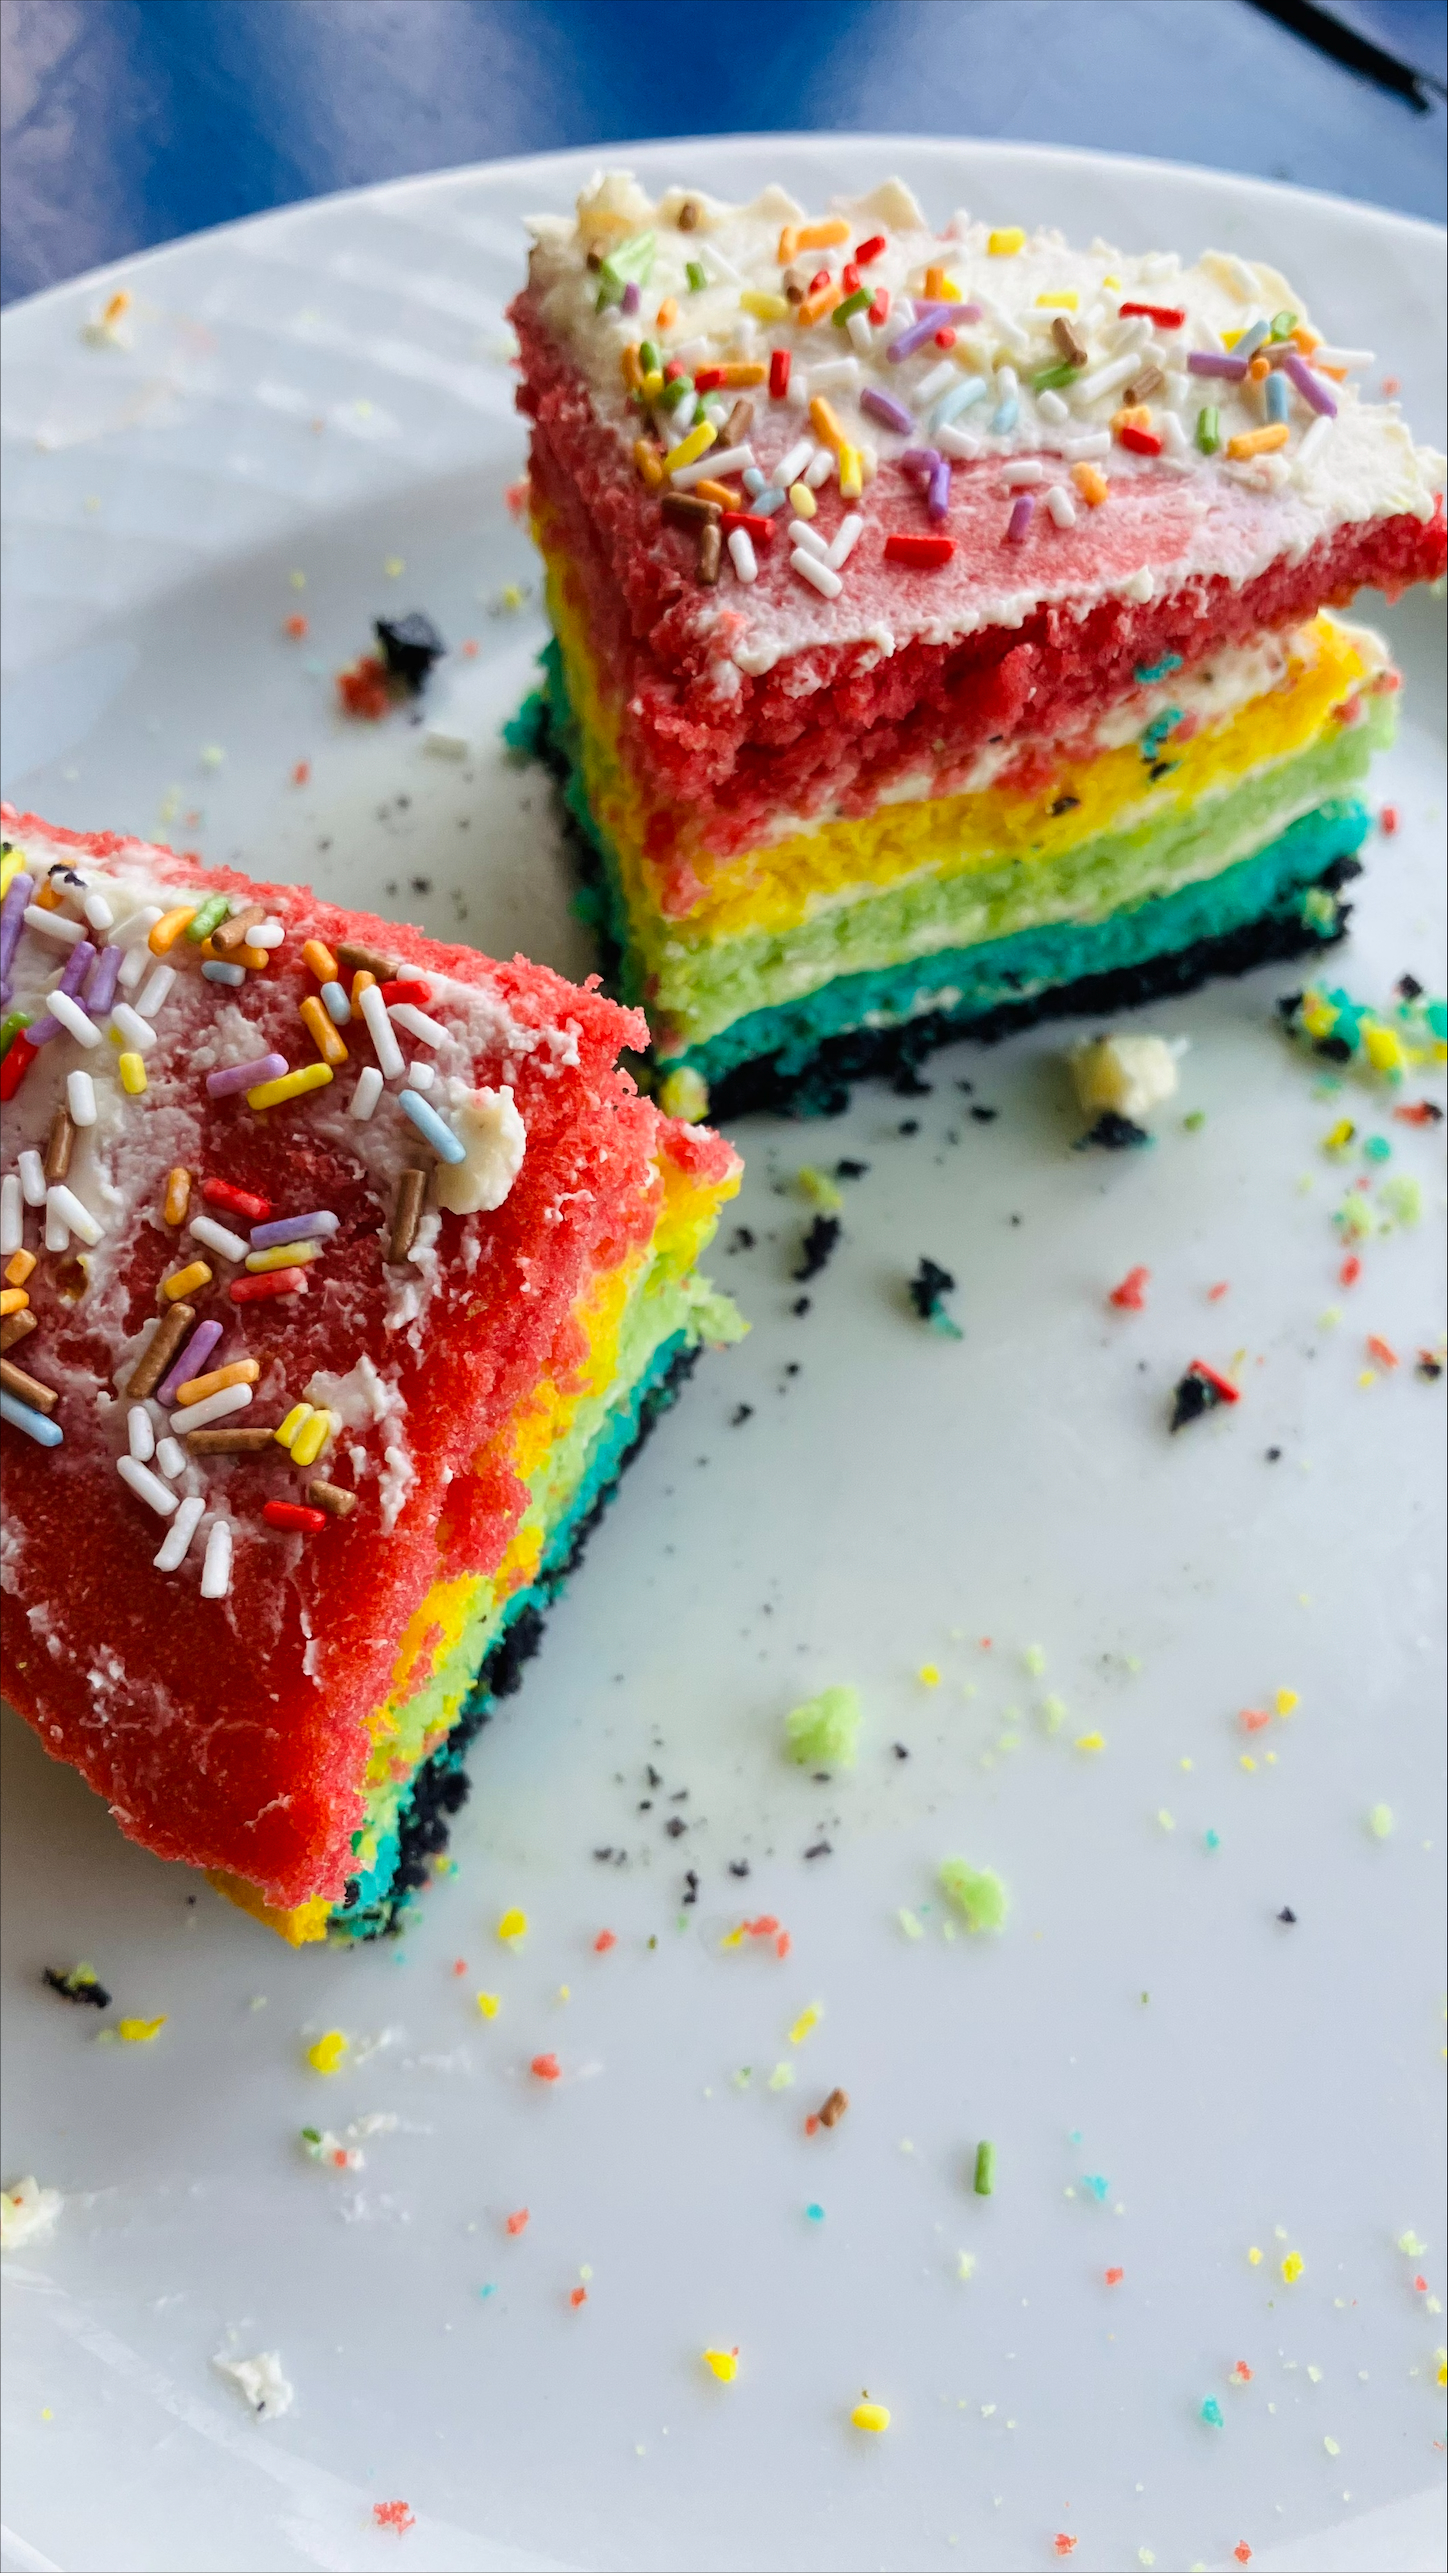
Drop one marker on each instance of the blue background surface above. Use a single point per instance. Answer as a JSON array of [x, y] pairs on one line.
[[128, 122]]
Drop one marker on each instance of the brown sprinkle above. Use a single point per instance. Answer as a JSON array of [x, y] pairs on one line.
[[330, 1496], [29, 1390], [593, 256], [1141, 389], [736, 427], [154, 1360], [834, 2108], [711, 546], [59, 1146], [688, 216], [229, 1442], [232, 933], [685, 509], [368, 960], [16, 1326], [1068, 341], [406, 1212], [795, 282]]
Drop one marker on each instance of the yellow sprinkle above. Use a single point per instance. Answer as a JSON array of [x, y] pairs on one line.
[[1166, 1820], [684, 1093], [764, 307], [283, 1255], [1293, 2267], [394, 567], [698, 442], [292, 1085], [132, 1070], [139, 2032], [311, 1438], [807, 2020], [722, 2363], [1259, 442], [1340, 1136], [1090, 1741], [514, 1924], [852, 473], [19, 1268], [802, 500], [782, 2077], [819, 1188], [1111, 281], [871, 2416], [326, 1038], [649, 463], [928, 1675], [168, 929], [286, 1430], [1255, 2257], [186, 1281], [328, 2052], [1245, 1760], [1005, 243], [488, 2004], [1065, 296], [1286, 1700], [1440, 2368], [1381, 1046], [298, 580], [1368, 1376], [10, 866]]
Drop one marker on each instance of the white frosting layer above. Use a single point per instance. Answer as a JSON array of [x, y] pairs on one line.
[[1228, 518]]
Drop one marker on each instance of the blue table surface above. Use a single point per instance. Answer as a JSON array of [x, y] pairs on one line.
[[129, 122]]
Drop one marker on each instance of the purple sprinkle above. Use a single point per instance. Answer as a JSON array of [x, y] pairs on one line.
[[918, 332], [294, 1228], [945, 312], [190, 1362], [883, 406], [245, 1076], [631, 298], [12, 916], [1020, 518], [921, 460], [100, 990], [1210, 361], [77, 965], [1311, 387], [937, 498]]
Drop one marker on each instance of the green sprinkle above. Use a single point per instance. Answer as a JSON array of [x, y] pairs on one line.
[[859, 302], [1195, 1122], [209, 917], [1377, 1148], [311, 2135], [1403, 1198], [824, 1732], [1209, 429], [1211, 1839], [10, 1027], [977, 1894], [913, 1928], [1283, 325], [1051, 378], [674, 391], [820, 1190], [815, 2213], [1034, 1659], [696, 277], [1412, 2245], [984, 2170], [649, 358], [631, 263], [1212, 2413]]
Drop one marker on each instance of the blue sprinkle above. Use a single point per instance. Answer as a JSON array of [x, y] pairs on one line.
[[433, 1128], [1212, 2413], [46, 1433], [1378, 1148], [1211, 1840], [1251, 341], [1006, 416], [336, 1004], [753, 479], [1098, 2186], [1075, 2135], [487, 2291], [1276, 393], [767, 501], [815, 2212], [216, 972], [959, 397], [1158, 729], [1153, 670]]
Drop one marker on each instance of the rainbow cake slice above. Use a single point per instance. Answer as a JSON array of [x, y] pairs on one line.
[[939, 632], [343, 1270]]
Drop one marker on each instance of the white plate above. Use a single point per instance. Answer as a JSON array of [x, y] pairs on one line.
[[324, 391]]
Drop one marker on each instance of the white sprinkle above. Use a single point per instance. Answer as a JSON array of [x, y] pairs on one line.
[[215, 1407], [1081, 451], [32, 1178], [1018, 477], [1176, 390], [149, 1001], [216, 1570], [217, 1237], [73, 1019], [1061, 506], [384, 1040], [792, 465], [1348, 357], [55, 925], [148, 1487], [1311, 441], [1051, 407], [140, 1433], [138, 1032], [170, 1458], [57, 1231], [406, 1014], [847, 537], [366, 1094], [1007, 330], [861, 334], [268, 933], [421, 1074], [1103, 379], [725, 460], [713, 261], [836, 371], [1174, 436], [925, 392], [12, 1217], [98, 912], [682, 419], [818, 575], [805, 533], [177, 1540], [138, 927], [1130, 334], [960, 444], [742, 556], [819, 471], [133, 967], [77, 1218], [80, 1098]]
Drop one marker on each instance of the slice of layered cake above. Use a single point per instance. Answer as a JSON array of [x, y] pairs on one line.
[[342, 1273], [939, 620]]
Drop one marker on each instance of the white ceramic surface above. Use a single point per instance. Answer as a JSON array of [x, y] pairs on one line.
[[325, 392]]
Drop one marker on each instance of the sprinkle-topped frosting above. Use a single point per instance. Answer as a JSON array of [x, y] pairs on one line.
[[990, 418]]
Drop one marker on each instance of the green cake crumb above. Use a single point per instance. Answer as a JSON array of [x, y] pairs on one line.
[[819, 1189], [977, 1893], [824, 1732]]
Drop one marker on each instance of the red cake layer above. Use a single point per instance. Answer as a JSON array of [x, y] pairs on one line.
[[231, 1733], [719, 768]]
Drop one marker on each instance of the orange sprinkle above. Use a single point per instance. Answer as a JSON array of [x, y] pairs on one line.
[[546, 2067], [1259, 442], [518, 2222], [1241, 2373], [1132, 415], [1130, 1296], [815, 307], [301, 772], [631, 368], [394, 2515], [178, 1196], [1114, 2277], [1379, 1349], [242, 1371], [47, 899], [1065, 2545], [605, 1940], [1216, 1293], [578, 2297], [811, 236], [1242, 2552], [460, 1965], [19, 1267], [328, 1040], [1307, 339], [13, 1300], [1091, 484], [1253, 1718], [362, 982], [469, 650], [1258, 370], [825, 422], [781, 1944], [721, 492], [740, 373], [1352, 1267], [667, 314], [649, 462], [169, 927], [319, 960], [296, 627]]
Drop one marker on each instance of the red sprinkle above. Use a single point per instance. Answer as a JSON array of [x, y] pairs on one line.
[[922, 553], [761, 529], [296, 627], [1379, 1349], [294, 1514], [518, 2222], [812, 2124], [868, 250], [781, 1944], [1142, 442], [820, 278], [1065, 2545], [1114, 2277], [460, 1965], [674, 367], [301, 772], [1222, 1385], [880, 309], [1131, 1294], [255, 1290], [778, 373], [407, 990], [1253, 1719], [1241, 2373], [605, 1940], [546, 2067], [1167, 317], [17, 1063], [242, 1201], [394, 2515], [707, 379], [1216, 1293], [850, 276], [1242, 2552], [363, 689], [1423, 1112], [1421, 2284], [578, 2297], [1352, 1267], [945, 338], [1388, 818]]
